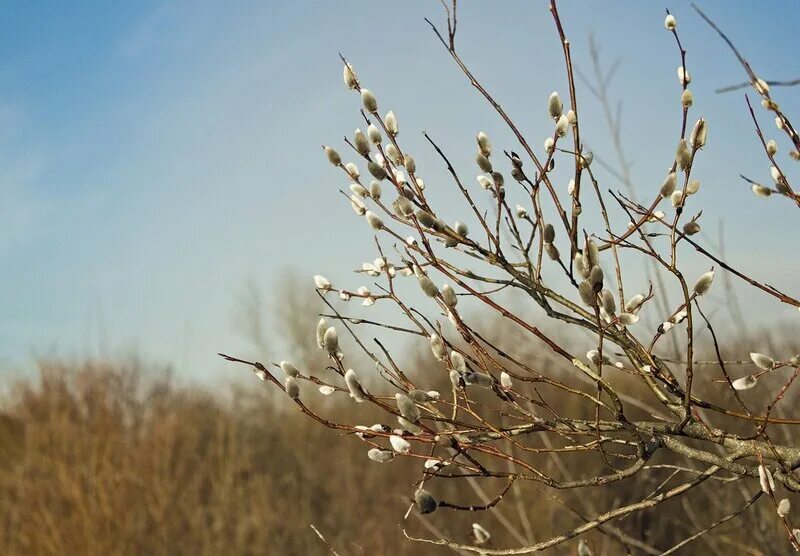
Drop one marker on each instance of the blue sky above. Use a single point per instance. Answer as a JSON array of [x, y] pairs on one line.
[[156, 157]]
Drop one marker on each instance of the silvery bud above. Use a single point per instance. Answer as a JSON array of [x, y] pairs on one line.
[[591, 254], [407, 407], [425, 218], [669, 185], [292, 388], [596, 278], [670, 22], [552, 251], [481, 535], [683, 156], [427, 285], [357, 392], [374, 221], [381, 456], [683, 76], [554, 106], [744, 383], [409, 426], [374, 134], [521, 212], [369, 100], [676, 198], [461, 228], [449, 296], [505, 380], [358, 205], [627, 319], [587, 294], [437, 347], [333, 156], [421, 396], [687, 98], [483, 162], [321, 282], [350, 79], [765, 479], [390, 121], [322, 326], [691, 228], [326, 390], [772, 147], [763, 361], [358, 190], [693, 187], [586, 159], [699, 134], [361, 143], [549, 145], [405, 206], [375, 190], [455, 379], [562, 126], [572, 118], [484, 182], [410, 163], [457, 361], [330, 340], [549, 233], [761, 86], [607, 300], [289, 369], [392, 153], [779, 122], [784, 506], [498, 179], [484, 145], [703, 283], [400, 444], [352, 170], [481, 379], [634, 303], [760, 190], [425, 502]]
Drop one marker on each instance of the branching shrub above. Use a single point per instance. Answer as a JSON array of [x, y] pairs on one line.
[[615, 390]]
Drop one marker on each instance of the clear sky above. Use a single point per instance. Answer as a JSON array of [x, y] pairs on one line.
[[156, 157]]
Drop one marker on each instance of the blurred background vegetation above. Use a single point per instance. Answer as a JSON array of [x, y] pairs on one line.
[[117, 457]]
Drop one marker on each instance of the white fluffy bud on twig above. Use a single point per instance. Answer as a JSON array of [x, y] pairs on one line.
[[484, 144], [687, 98], [375, 190], [374, 134], [407, 407], [330, 340], [505, 380], [784, 506], [549, 145], [765, 479], [449, 296], [699, 134], [427, 285], [684, 78], [289, 369], [484, 182], [321, 282], [399, 444], [292, 388], [333, 156], [437, 347], [360, 142], [483, 162], [349, 75], [762, 361], [744, 383], [352, 170], [381, 456], [693, 187], [369, 100], [457, 362], [772, 147], [669, 185], [357, 391], [358, 205], [760, 190], [425, 502], [374, 221], [390, 121], [482, 536], [562, 126], [683, 156], [670, 22], [554, 105], [703, 283], [322, 326], [521, 212], [761, 86]]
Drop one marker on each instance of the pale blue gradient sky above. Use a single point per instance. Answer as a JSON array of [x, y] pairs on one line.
[[156, 156]]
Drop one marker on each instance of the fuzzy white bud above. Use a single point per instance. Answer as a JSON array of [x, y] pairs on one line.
[[772, 147], [360, 142], [703, 283], [374, 134], [699, 134], [407, 407], [521, 212], [669, 185], [554, 105], [374, 221], [505, 380], [670, 22], [399, 444], [762, 361], [369, 100], [333, 156], [484, 144], [437, 347], [390, 121], [349, 75], [687, 98], [289, 369], [562, 126], [292, 388]]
